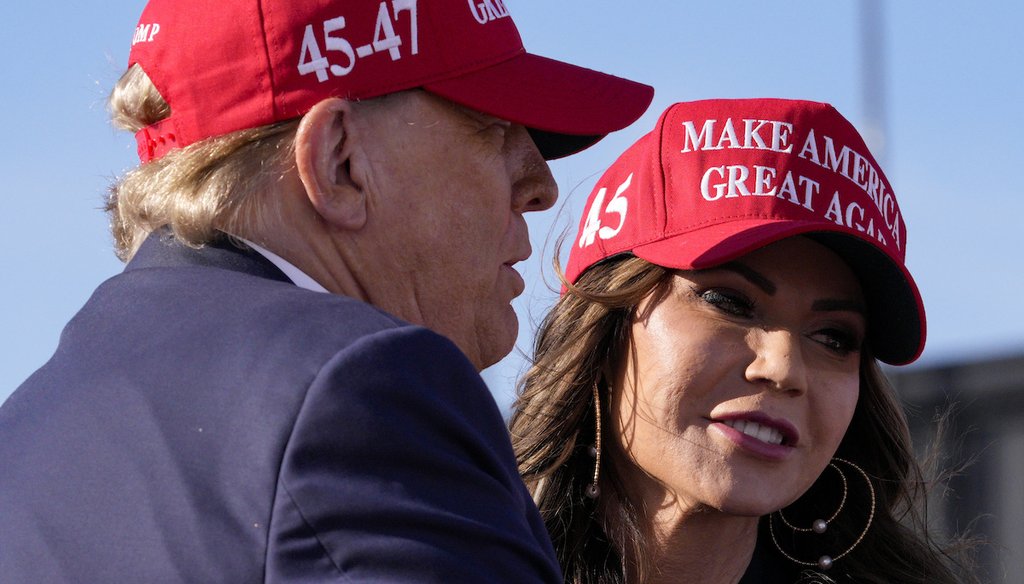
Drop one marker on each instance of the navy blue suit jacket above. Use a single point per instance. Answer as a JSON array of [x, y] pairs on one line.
[[205, 420]]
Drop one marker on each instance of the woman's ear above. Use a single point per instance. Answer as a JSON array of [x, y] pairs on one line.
[[324, 145]]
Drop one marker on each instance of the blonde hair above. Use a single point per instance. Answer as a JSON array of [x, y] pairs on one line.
[[200, 191]]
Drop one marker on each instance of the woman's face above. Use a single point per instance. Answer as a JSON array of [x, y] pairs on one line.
[[741, 380]]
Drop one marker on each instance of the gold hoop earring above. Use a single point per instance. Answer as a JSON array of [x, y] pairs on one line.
[[820, 526], [593, 490]]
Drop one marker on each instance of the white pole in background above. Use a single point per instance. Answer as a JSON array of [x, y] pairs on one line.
[[873, 76]]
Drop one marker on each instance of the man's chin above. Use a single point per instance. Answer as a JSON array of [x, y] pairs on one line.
[[502, 339]]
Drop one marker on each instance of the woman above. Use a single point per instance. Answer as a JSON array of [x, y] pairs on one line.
[[705, 403]]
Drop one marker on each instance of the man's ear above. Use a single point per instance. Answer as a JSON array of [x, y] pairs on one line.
[[323, 149]]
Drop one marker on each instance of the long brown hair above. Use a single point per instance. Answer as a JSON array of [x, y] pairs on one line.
[[601, 541]]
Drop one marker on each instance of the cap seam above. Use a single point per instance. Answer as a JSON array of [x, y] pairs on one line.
[[370, 92], [471, 67], [725, 219], [264, 43], [662, 137]]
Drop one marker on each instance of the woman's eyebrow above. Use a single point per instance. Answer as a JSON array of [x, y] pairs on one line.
[[751, 275], [761, 281], [834, 304]]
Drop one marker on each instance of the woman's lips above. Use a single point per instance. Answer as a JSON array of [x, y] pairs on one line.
[[760, 434]]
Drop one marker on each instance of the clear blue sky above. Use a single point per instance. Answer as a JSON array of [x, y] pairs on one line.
[[953, 92]]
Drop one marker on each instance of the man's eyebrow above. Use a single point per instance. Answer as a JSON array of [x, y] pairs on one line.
[[753, 276]]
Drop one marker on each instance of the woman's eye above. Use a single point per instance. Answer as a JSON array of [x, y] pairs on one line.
[[838, 341], [728, 301]]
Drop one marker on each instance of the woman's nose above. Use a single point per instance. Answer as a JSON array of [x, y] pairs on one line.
[[777, 361]]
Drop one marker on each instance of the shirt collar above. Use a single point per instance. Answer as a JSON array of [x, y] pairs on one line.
[[297, 276]]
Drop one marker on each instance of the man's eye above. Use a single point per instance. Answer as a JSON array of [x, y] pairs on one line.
[[495, 125], [728, 301]]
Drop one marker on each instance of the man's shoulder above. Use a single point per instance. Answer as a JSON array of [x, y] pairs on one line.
[[258, 301], [226, 284]]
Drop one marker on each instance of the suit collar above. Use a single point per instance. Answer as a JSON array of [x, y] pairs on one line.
[[162, 250]]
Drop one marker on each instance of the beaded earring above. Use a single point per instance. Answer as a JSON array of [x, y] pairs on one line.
[[593, 490], [820, 526]]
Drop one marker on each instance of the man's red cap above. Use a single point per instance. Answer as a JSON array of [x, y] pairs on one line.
[[717, 179], [229, 65]]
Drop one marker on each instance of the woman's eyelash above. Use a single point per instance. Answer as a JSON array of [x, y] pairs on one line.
[[839, 341], [728, 301]]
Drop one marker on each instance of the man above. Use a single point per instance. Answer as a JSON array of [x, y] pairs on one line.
[[283, 384]]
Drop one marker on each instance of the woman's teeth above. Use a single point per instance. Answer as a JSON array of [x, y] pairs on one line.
[[755, 430]]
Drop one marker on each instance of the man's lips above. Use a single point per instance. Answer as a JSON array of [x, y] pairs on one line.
[[521, 255], [519, 285]]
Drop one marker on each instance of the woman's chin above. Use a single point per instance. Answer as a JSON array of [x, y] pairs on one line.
[[753, 505]]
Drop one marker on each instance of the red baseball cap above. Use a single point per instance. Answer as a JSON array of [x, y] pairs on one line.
[[229, 65], [717, 179]]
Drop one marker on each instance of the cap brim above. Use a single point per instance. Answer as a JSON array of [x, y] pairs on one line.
[[896, 316], [566, 108]]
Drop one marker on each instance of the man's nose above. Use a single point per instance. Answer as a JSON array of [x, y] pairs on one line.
[[533, 188]]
